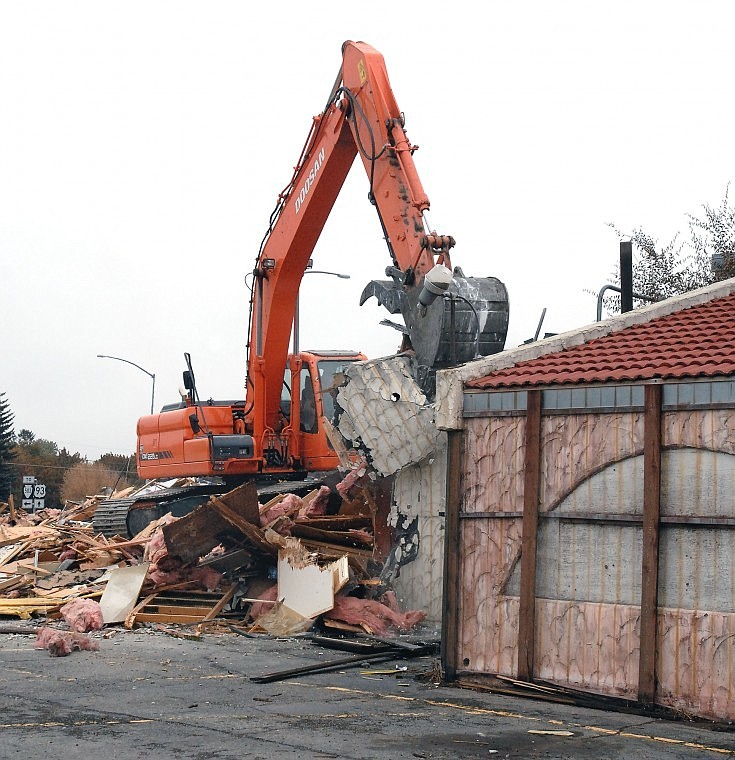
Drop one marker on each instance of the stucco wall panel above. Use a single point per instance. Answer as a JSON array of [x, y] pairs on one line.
[[493, 474], [588, 646], [419, 493], [575, 446], [696, 662], [488, 621]]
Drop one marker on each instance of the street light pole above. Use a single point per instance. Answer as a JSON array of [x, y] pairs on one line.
[[296, 312], [150, 374]]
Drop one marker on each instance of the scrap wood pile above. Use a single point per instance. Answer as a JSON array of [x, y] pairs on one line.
[[232, 564]]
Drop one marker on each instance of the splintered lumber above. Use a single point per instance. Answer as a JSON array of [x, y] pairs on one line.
[[337, 550], [226, 598], [13, 534], [243, 500], [351, 645], [338, 444], [24, 629], [196, 534], [252, 532], [339, 626], [12, 582], [25, 607], [216, 522], [357, 538], [17, 549], [337, 522]]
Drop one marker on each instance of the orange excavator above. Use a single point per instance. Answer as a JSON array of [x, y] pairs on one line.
[[279, 430]]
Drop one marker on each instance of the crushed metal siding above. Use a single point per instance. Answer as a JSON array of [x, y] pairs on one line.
[[588, 579], [386, 415]]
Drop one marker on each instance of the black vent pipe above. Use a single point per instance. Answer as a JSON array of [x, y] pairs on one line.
[[626, 276]]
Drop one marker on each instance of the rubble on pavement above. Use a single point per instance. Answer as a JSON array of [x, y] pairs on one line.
[[236, 563]]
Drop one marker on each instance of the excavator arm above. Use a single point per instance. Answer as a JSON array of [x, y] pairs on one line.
[[362, 118], [265, 435]]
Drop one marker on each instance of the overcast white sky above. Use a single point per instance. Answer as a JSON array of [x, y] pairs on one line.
[[143, 146]]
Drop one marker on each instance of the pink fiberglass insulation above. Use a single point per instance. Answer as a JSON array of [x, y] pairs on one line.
[[376, 617], [63, 643], [269, 595], [318, 505], [289, 505], [83, 615]]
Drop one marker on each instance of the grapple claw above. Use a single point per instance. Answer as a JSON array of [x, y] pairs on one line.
[[470, 320]]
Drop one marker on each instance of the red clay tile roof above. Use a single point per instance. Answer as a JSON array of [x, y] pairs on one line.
[[694, 342]]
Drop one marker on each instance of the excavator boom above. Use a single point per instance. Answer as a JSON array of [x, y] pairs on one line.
[[362, 118], [266, 433]]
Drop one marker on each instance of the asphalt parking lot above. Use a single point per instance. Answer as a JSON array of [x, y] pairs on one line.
[[149, 694]]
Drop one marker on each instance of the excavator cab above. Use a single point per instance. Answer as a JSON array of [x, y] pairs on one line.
[[316, 377], [215, 438]]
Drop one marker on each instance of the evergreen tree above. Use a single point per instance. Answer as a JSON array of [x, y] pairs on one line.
[[7, 449]]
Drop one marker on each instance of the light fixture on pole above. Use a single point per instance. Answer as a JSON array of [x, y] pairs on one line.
[[309, 270], [150, 374]]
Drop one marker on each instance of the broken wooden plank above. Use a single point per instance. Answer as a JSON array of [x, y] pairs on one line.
[[13, 534], [336, 522], [252, 532], [357, 539], [196, 534], [226, 599], [176, 606], [328, 549], [338, 625], [338, 444], [25, 607], [243, 500]]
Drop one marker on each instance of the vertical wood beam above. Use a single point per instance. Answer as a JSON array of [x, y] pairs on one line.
[[651, 525], [531, 495], [452, 556]]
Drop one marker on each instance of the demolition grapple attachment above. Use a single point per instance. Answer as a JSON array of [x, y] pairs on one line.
[[449, 319]]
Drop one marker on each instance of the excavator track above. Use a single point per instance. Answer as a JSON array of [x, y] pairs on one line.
[[128, 516]]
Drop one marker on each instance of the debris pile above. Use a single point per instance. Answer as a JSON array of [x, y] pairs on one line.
[[236, 563]]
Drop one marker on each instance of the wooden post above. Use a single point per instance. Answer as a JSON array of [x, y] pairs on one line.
[[531, 493], [11, 505], [452, 556], [651, 523]]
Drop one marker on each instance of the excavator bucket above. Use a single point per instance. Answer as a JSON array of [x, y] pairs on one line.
[[469, 320]]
